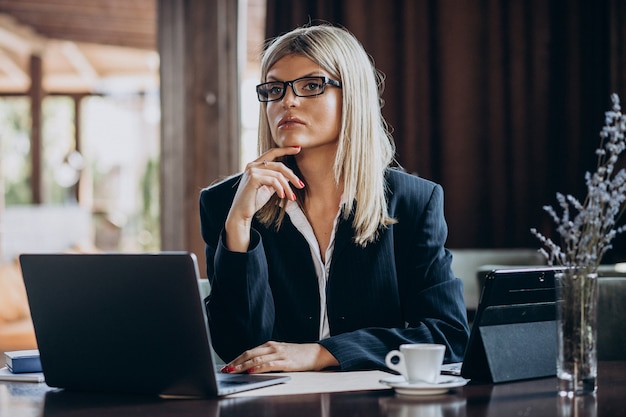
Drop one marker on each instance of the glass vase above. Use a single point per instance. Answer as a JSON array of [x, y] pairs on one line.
[[577, 302]]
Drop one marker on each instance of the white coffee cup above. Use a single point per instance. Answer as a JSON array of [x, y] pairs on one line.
[[419, 362]]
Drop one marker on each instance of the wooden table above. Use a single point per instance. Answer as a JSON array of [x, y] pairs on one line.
[[528, 398]]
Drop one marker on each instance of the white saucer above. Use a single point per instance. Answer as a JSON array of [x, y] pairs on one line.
[[444, 384]]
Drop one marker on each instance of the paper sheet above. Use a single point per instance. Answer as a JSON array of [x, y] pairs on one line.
[[321, 382]]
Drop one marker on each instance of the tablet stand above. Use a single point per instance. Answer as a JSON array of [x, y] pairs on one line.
[[519, 342]]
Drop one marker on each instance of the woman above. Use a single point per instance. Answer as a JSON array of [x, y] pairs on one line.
[[319, 254]]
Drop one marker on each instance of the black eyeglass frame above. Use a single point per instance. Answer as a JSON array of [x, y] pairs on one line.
[[325, 81]]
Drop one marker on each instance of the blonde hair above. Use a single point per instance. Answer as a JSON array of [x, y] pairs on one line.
[[365, 148]]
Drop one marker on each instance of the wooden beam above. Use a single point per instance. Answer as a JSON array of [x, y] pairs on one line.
[[12, 69], [112, 22], [79, 61], [36, 97], [174, 137], [19, 38], [199, 110]]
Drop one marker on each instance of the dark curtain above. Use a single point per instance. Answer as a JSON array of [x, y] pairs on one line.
[[499, 101]]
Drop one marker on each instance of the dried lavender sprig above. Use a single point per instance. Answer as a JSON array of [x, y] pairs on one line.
[[587, 236]]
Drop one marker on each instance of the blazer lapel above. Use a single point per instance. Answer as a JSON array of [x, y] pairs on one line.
[[343, 236]]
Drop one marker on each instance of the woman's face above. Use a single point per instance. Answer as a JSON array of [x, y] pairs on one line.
[[303, 121]]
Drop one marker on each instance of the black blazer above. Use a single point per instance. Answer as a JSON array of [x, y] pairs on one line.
[[399, 289]]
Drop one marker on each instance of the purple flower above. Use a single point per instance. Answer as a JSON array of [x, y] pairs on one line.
[[586, 229]]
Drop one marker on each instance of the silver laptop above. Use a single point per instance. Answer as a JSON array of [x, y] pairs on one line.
[[130, 323]]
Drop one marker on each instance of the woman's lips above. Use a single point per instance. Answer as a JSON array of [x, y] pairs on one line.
[[288, 122]]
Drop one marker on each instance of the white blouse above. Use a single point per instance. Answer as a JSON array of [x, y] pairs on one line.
[[299, 220]]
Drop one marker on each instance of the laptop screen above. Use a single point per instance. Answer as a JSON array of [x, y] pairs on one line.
[[122, 323]]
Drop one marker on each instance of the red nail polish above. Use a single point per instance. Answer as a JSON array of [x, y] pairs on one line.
[[224, 369], [296, 147], [251, 370], [301, 183]]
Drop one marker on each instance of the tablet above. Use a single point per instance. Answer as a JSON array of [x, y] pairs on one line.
[[514, 334]]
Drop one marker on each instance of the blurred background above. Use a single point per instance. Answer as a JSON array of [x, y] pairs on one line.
[[114, 114]]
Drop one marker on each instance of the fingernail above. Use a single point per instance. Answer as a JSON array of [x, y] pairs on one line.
[[250, 370], [296, 147], [224, 369], [293, 197], [301, 183]]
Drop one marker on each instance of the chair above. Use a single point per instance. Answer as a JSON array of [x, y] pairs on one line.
[[611, 318], [205, 289], [16, 326]]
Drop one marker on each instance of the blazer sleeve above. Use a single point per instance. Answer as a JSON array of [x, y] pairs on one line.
[[240, 307], [431, 297]]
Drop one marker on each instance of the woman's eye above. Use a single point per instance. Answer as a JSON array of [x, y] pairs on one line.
[[275, 91], [313, 86]]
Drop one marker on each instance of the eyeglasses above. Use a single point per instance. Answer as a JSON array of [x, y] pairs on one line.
[[302, 87]]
